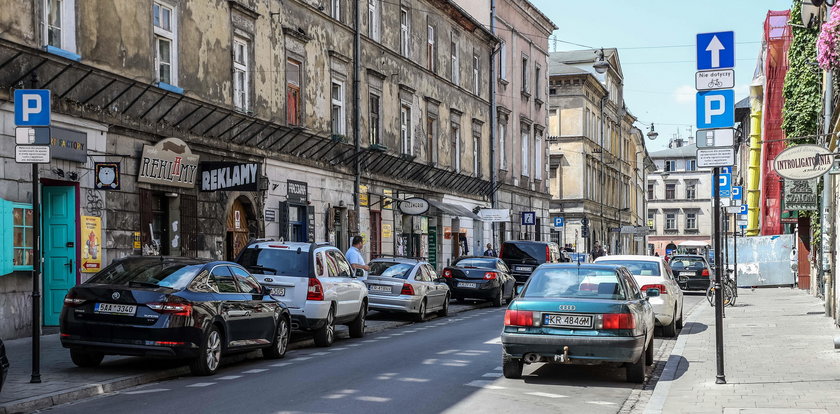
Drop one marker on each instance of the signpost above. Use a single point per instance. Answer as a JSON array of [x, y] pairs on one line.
[[715, 157], [721, 137], [559, 222]]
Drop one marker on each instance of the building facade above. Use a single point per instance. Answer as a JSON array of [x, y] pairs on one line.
[[191, 128], [598, 161]]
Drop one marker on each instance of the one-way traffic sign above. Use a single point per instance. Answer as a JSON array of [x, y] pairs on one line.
[[715, 50]]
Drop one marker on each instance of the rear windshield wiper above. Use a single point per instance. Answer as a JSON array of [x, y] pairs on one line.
[[262, 269]]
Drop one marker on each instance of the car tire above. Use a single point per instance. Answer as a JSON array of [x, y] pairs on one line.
[[649, 353], [281, 341], [670, 330], [444, 311], [86, 359], [357, 327], [499, 299], [421, 314], [325, 335], [209, 353], [680, 320], [512, 367]]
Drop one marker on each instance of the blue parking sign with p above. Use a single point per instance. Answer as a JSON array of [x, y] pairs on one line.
[[716, 109], [32, 107], [559, 222]]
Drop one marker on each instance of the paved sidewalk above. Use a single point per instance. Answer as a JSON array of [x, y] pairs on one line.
[[779, 358], [63, 382]]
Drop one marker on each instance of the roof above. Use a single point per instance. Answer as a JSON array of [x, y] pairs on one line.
[[685, 151], [630, 257], [585, 57], [564, 69]]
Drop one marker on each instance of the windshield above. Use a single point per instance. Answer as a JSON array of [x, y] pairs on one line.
[[687, 263], [390, 269], [636, 267], [484, 263], [150, 272], [281, 262], [524, 251], [574, 283]]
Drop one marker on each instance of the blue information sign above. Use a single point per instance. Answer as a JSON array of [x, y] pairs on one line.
[[716, 109], [32, 107], [715, 50], [737, 193], [559, 222], [529, 218]]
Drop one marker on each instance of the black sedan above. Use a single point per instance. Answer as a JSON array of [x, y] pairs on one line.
[[692, 272], [480, 277], [4, 365], [172, 307]]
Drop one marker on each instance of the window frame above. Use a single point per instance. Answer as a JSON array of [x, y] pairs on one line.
[[335, 10], [651, 191], [454, 60], [502, 60], [455, 129], [374, 118], [670, 193], [691, 191], [502, 152], [406, 146], [537, 71], [524, 79], [67, 28], [476, 74], [294, 118], [670, 221], [244, 68], [526, 153], [13, 246], [537, 155], [691, 165], [693, 218], [162, 34], [431, 44], [374, 31], [405, 32], [338, 126], [476, 154]]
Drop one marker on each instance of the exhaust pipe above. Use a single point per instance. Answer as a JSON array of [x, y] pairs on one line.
[[532, 358]]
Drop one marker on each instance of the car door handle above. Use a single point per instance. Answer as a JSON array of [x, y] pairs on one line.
[[238, 313]]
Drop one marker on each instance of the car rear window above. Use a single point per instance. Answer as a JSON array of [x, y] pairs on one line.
[[390, 269], [483, 263], [687, 263], [281, 262], [524, 251], [147, 272], [574, 283], [636, 267]]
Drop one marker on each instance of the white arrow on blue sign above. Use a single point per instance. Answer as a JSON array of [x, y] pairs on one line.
[[559, 222], [716, 109], [32, 107], [715, 50]]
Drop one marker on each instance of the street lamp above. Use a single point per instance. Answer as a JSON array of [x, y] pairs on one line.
[[601, 66], [652, 134]]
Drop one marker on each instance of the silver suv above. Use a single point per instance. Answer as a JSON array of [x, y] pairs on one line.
[[315, 281]]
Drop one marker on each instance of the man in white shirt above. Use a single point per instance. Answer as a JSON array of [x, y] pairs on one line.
[[354, 254]]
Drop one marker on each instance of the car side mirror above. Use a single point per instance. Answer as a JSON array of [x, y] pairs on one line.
[[519, 289], [652, 293], [360, 273], [266, 291]]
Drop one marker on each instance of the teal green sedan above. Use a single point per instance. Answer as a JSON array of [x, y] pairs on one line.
[[585, 314]]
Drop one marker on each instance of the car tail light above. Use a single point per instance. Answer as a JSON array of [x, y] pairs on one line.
[[447, 273], [490, 275], [315, 290], [619, 321], [519, 318], [407, 290], [547, 254], [705, 273], [174, 308], [71, 300], [654, 286], [168, 343], [278, 246]]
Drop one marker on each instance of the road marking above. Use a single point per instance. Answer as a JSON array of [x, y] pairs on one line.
[[547, 395], [146, 391], [373, 399], [497, 369], [350, 345], [398, 334], [230, 377], [201, 384], [302, 358], [498, 340], [493, 374], [337, 349], [282, 364], [484, 384], [414, 380], [254, 371], [448, 351], [600, 402], [321, 353]]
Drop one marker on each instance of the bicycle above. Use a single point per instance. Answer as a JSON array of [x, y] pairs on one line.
[[729, 291]]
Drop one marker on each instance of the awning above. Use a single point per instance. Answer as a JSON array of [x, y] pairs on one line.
[[454, 210], [692, 243]]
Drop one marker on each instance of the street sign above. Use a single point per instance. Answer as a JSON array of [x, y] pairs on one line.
[[723, 137], [726, 170], [32, 154], [529, 218], [725, 186], [737, 192], [714, 79], [715, 157], [559, 222], [32, 135], [716, 109], [628, 230], [725, 202], [32, 107], [743, 209], [803, 162], [715, 50], [733, 210]]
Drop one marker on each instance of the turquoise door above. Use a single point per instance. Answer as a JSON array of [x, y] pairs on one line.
[[59, 248]]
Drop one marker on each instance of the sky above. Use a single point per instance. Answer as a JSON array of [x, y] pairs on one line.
[[656, 46]]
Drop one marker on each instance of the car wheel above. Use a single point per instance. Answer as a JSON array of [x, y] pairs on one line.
[[325, 335], [680, 320], [670, 330], [281, 341], [635, 372], [444, 311], [421, 314], [85, 359], [357, 327], [649, 353], [209, 354], [498, 300], [512, 367]]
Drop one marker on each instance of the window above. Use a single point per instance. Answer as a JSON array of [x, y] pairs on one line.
[[405, 32], [247, 283], [651, 222], [503, 61], [222, 279], [525, 152], [339, 119], [538, 156], [670, 191], [59, 27], [670, 165], [430, 48], [691, 221], [476, 75], [293, 98], [502, 151], [405, 129], [21, 232], [691, 165], [374, 128], [524, 73], [373, 20], [456, 147], [650, 194], [335, 10], [431, 138], [240, 74], [537, 81], [691, 191], [165, 44], [341, 263], [454, 59], [670, 221], [476, 155]]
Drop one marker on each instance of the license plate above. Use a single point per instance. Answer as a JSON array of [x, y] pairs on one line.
[[522, 268], [379, 288], [467, 285], [567, 321], [278, 291], [115, 309]]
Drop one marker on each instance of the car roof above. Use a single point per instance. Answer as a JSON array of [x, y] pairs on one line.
[[527, 242], [476, 257], [581, 266], [303, 246], [693, 256], [170, 259], [630, 257], [406, 260]]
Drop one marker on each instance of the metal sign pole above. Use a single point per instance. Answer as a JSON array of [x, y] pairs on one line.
[[735, 253], [721, 377], [36, 277], [725, 242]]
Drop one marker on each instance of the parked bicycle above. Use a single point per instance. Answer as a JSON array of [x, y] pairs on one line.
[[729, 290]]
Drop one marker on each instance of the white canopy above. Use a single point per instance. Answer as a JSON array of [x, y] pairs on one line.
[[692, 243]]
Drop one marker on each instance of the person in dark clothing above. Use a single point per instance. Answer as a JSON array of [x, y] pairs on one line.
[[491, 252], [597, 251]]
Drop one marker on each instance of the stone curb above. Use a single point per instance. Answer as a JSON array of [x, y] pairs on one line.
[[91, 390]]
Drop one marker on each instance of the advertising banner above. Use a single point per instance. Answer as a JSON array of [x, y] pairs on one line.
[[91, 235]]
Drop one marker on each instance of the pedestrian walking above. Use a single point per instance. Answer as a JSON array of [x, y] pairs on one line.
[[354, 254], [491, 252], [597, 251]]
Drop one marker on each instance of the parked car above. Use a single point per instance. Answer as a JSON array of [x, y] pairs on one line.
[[480, 277], [523, 256], [651, 272], [4, 365], [406, 285], [580, 314], [315, 281], [692, 272], [172, 307]]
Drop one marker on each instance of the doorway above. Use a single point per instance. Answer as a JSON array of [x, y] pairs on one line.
[[375, 234], [59, 242], [237, 230]]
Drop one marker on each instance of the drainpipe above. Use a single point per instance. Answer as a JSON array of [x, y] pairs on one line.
[[357, 167], [825, 270], [754, 167], [493, 198]]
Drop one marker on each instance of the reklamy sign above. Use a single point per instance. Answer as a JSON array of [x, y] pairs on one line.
[[169, 162], [226, 176], [800, 195], [803, 162]]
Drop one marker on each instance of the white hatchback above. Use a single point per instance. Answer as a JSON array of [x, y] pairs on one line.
[[652, 272]]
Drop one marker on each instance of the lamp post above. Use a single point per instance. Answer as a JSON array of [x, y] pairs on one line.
[[602, 66]]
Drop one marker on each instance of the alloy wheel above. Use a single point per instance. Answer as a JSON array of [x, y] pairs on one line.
[[214, 350], [330, 327], [282, 337]]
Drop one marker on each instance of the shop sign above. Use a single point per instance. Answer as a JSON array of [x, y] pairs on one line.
[[107, 175], [169, 162], [800, 195], [364, 200], [297, 192], [67, 144], [227, 176], [136, 240], [803, 162], [494, 215], [432, 239], [91, 234], [388, 200], [414, 206], [270, 215], [387, 231]]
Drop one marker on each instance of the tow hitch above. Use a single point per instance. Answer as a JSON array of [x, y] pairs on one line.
[[564, 357]]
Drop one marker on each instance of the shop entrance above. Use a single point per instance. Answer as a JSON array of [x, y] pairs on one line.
[[238, 233], [59, 243]]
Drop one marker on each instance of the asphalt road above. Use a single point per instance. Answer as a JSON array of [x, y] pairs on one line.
[[448, 365]]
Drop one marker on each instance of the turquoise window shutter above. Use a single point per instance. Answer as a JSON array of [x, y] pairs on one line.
[[7, 249]]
